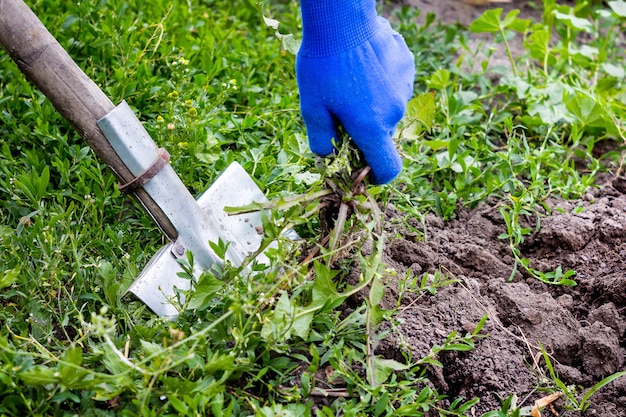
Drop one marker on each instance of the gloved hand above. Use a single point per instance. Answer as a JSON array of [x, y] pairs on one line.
[[354, 70]]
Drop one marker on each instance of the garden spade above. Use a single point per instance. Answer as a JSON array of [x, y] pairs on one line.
[[118, 138]]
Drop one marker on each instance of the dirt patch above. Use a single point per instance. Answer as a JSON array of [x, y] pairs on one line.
[[465, 12], [582, 327]]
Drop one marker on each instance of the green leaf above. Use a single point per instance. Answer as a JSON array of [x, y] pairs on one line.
[[460, 347], [384, 367], [585, 110], [179, 405], [9, 277], [290, 43], [39, 375], [315, 358], [33, 185], [289, 410], [381, 404], [440, 79], [63, 396], [324, 286], [112, 361], [480, 325], [618, 7], [422, 109], [69, 21], [488, 22], [271, 23], [377, 291], [616, 71], [72, 376], [538, 43], [307, 178], [436, 145], [151, 348], [279, 324], [375, 315], [586, 51], [510, 18], [109, 282], [44, 180], [217, 406], [465, 98], [599, 385], [6, 231], [573, 22], [205, 291], [302, 323], [512, 22], [73, 355]]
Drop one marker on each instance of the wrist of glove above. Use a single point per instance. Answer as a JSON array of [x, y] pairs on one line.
[[333, 26], [353, 70]]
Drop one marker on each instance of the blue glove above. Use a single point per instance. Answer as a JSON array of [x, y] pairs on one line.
[[353, 70]]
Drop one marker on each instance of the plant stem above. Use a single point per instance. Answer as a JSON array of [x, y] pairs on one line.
[[508, 52]]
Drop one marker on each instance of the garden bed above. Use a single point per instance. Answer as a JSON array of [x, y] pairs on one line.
[[582, 328]]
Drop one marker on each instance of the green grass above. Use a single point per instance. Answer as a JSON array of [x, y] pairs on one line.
[[212, 84]]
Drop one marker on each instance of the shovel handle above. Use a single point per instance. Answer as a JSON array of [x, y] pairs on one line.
[[75, 96]]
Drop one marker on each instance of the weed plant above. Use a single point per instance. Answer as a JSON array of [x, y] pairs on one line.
[[212, 84]]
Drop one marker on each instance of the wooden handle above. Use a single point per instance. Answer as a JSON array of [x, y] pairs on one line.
[[75, 96]]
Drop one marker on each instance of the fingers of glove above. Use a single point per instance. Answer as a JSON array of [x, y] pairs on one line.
[[321, 126], [376, 145], [385, 161]]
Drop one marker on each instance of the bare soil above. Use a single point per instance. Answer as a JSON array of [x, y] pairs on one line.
[[583, 328], [465, 12]]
